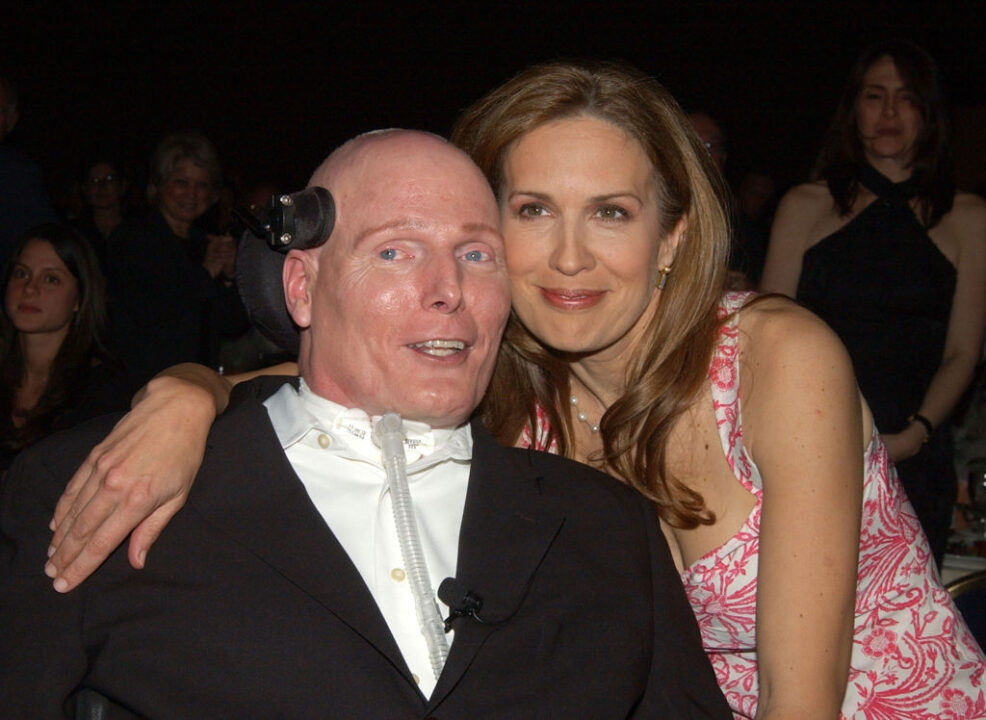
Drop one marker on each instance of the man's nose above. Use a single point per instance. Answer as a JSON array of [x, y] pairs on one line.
[[570, 254], [443, 285]]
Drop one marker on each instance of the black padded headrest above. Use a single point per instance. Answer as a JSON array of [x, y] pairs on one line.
[[301, 220]]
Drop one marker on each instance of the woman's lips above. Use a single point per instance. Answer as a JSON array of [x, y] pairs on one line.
[[28, 308], [571, 299]]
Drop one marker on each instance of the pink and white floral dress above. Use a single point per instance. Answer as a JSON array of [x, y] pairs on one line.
[[912, 655]]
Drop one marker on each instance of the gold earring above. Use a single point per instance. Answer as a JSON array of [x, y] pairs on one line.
[[664, 271]]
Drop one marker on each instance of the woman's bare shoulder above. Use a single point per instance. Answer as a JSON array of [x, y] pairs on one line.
[[961, 233], [808, 196], [775, 330], [968, 211], [805, 214], [791, 358]]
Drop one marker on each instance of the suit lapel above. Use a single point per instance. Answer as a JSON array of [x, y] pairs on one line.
[[248, 490], [506, 532]]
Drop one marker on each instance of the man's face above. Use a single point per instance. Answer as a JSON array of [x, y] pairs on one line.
[[405, 304]]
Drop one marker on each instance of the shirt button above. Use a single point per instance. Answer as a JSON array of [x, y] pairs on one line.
[[398, 575], [324, 440]]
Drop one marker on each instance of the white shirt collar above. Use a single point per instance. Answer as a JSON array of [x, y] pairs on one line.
[[296, 412]]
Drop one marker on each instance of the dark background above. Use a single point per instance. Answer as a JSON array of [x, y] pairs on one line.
[[277, 85]]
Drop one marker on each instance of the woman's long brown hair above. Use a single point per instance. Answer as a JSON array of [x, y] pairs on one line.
[[670, 365]]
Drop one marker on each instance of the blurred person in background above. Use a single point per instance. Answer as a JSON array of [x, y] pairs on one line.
[[56, 365], [172, 289], [883, 248], [24, 201]]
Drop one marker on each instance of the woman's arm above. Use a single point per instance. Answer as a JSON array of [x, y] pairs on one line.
[[789, 235], [139, 476], [966, 324], [803, 425]]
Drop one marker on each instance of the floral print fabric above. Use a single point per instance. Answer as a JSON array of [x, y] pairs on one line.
[[912, 655]]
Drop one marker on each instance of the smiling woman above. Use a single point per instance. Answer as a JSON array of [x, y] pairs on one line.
[[171, 284], [600, 233]]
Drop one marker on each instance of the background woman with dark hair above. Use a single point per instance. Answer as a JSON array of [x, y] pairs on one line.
[[56, 366], [894, 260]]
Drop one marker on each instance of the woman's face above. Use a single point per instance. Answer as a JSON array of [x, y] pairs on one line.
[[887, 116], [42, 294], [581, 222], [186, 194], [103, 187]]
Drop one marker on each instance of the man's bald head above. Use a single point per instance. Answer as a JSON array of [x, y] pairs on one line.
[[403, 307]]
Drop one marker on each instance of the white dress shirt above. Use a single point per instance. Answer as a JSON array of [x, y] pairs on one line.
[[332, 452]]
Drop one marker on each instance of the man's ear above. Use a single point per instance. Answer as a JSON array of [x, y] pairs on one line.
[[299, 273]]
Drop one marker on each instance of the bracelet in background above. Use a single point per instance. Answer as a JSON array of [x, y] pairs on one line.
[[924, 422]]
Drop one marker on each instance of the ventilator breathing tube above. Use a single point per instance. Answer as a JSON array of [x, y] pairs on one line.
[[388, 433]]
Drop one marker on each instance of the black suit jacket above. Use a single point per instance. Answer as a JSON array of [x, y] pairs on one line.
[[249, 606]]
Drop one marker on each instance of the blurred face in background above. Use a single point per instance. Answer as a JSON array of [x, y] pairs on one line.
[[185, 195], [103, 187], [42, 294], [887, 115], [712, 137]]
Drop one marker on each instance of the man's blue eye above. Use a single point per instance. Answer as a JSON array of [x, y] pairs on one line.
[[475, 256], [388, 254]]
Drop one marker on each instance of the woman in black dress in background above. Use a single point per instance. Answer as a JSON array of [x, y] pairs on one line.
[[894, 260]]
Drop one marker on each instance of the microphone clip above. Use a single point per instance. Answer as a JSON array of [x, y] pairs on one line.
[[461, 602]]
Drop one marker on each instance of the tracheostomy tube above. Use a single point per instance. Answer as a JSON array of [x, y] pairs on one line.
[[388, 433]]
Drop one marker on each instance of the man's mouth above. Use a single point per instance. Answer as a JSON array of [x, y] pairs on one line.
[[439, 348]]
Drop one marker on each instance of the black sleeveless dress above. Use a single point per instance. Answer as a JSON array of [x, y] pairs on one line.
[[886, 290]]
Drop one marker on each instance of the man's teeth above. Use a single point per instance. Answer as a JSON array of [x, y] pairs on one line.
[[440, 348]]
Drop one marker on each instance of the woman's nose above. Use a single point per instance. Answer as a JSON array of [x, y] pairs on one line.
[[571, 255]]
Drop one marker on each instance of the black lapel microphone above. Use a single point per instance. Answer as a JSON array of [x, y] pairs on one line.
[[461, 602]]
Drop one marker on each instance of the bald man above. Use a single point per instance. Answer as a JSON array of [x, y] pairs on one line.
[[281, 591]]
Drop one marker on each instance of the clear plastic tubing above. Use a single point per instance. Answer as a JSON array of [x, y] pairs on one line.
[[388, 432]]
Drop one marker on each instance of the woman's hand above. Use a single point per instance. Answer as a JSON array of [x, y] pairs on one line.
[[220, 256], [907, 443], [136, 479]]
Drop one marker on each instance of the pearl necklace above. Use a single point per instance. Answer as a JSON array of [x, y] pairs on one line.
[[581, 415]]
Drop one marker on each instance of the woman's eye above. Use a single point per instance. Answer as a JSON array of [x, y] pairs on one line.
[[612, 212], [19, 273], [532, 210], [52, 279]]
